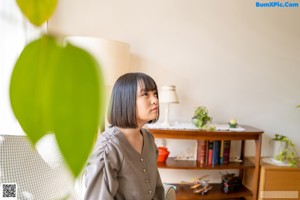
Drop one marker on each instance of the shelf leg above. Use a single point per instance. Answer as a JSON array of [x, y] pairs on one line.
[[242, 150], [257, 167]]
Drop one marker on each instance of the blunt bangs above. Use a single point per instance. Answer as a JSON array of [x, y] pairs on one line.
[[147, 83]]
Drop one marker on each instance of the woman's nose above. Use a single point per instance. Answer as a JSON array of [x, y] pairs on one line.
[[154, 100]]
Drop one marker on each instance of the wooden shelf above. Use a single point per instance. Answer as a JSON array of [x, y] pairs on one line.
[[183, 192], [171, 163], [249, 134]]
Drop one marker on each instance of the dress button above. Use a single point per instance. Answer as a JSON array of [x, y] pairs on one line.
[[144, 170], [141, 159], [147, 181], [150, 192]]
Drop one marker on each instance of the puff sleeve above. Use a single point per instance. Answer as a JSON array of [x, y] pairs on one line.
[[101, 173]]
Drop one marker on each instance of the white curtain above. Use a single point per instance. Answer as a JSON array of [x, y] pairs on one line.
[[15, 33]]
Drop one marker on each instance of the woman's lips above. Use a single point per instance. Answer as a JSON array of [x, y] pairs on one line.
[[154, 109]]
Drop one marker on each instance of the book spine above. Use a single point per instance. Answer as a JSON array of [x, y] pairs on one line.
[[210, 151], [222, 152], [216, 152], [226, 155], [206, 151], [198, 150], [201, 151]]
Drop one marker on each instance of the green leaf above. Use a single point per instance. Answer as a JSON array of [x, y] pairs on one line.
[[298, 106], [37, 11], [30, 87], [58, 89], [76, 114]]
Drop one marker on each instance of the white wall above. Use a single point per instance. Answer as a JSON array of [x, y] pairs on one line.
[[238, 60]]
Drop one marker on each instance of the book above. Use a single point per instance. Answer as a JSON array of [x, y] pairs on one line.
[[210, 151], [222, 152], [201, 151], [206, 152], [226, 151], [216, 152]]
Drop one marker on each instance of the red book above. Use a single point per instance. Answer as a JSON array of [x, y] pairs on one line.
[[210, 151], [206, 152], [201, 151], [226, 151]]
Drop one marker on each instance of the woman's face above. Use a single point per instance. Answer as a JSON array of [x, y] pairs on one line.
[[146, 105]]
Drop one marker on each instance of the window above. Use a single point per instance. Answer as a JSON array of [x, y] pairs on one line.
[[15, 33]]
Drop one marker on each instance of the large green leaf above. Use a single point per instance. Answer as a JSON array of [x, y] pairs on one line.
[[37, 11], [77, 104], [58, 89], [30, 87]]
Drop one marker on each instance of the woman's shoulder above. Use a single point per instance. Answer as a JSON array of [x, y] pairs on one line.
[[109, 135], [108, 142]]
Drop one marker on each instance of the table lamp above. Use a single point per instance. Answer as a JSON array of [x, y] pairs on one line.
[[167, 95]]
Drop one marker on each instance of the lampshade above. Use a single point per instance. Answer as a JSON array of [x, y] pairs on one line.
[[113, 56], [168, 94]]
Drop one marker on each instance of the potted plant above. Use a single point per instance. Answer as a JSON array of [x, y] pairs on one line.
[[284, 150], [232, 123], [201, 117]]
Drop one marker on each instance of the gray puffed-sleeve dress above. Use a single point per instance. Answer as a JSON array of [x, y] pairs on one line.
[[116, 171]]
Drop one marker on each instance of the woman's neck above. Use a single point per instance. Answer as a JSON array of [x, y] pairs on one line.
[[135, 138], [130, 132]]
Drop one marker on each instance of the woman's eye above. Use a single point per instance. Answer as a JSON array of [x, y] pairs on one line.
[[145, 94]]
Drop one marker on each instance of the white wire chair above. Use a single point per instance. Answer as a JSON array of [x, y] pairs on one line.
[[22, 165]]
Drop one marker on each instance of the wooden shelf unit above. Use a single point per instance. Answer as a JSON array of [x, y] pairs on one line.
[[250, 133]]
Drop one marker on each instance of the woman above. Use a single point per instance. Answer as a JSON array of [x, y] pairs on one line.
[[123, 164]]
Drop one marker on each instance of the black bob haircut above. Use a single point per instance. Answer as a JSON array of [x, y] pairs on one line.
[[122, 106]]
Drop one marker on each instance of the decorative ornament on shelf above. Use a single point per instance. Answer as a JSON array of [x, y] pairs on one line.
[[163, 154], [201, 117], [201, 185], [284, 150], [232, 123], [189, 153], [230, 182]]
